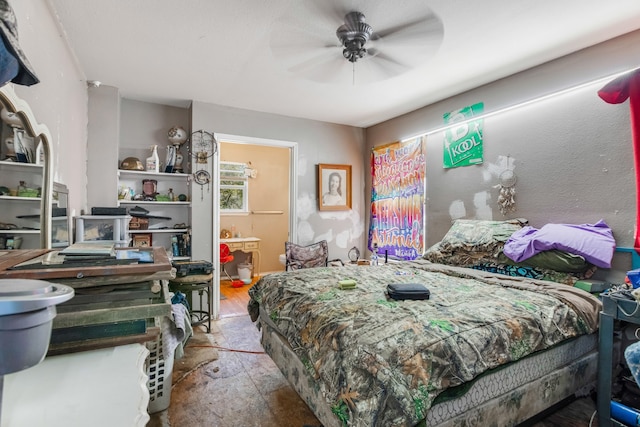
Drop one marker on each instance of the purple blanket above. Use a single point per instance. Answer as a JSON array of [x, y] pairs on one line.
[[594, 242]]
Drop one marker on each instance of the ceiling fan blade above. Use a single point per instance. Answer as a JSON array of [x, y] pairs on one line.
[[409, 45], [298, 45], [375, 54], [306, 66], [330, 11], [426, 29], [329, 69], [386, 66]]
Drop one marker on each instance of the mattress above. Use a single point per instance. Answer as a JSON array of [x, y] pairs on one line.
[[577, 358], [504, 397], [369, 360]]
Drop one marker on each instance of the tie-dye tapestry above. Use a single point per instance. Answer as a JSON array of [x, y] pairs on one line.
[[397, 199]]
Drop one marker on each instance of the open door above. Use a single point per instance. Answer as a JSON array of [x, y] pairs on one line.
[[256, 225]]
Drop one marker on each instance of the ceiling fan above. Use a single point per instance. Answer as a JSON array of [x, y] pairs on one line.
[[333, 42], [354, 35]]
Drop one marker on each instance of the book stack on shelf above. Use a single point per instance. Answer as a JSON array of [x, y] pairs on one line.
[[181, 245]]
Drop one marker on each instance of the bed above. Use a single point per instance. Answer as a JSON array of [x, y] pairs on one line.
[[485, 349]]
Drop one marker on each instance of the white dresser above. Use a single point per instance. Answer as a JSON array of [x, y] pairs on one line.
[[99, 388]]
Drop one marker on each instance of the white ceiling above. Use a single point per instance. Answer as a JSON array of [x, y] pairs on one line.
[[264, 55]]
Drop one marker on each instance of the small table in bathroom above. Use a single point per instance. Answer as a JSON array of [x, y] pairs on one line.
[[247, 245]]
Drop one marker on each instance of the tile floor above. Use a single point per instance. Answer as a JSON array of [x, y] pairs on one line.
[[238, 389]]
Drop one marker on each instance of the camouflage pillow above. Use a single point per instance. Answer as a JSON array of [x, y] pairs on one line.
[[476, 243], [314, 255], [470, 241]]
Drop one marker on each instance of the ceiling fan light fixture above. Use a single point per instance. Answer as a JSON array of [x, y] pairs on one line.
[[353, 35]]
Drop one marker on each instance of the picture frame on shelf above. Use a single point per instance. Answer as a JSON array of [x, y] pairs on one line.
[[144, 240], [334, 187]]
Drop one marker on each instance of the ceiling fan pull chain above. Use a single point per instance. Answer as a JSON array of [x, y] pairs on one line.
[[353, 73]]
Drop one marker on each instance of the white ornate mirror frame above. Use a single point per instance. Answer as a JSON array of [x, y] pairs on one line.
[[40, 132]]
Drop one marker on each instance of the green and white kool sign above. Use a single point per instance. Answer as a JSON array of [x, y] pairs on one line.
[[463, 141]]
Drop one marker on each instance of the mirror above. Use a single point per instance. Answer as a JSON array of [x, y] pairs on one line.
[[26, 175], [60, 217]]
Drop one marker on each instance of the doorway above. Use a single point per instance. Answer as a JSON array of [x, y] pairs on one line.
[[261, 212]]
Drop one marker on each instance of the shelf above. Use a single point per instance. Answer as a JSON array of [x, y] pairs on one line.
[[160, 230], [18, 165], [19, 231], [151, 202], [163, 215], [147, 175], [25, 199]]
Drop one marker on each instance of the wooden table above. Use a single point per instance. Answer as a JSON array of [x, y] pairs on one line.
[[86, 275], [246, 245], [111, 304]]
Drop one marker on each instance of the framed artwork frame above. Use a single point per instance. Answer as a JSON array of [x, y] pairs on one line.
[[143, 240], [334, 187]]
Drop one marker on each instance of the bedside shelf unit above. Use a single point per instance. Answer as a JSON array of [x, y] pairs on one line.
[[612, 309]]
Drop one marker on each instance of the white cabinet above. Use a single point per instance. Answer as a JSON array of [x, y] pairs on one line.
[[167, 222]]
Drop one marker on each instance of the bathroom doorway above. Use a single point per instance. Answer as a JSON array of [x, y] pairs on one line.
[[267, 214]]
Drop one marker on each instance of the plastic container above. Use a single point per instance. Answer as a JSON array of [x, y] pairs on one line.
[[153, 161], [634, 277], [27, 310], [244, 273], [624, 414], [159, 371]]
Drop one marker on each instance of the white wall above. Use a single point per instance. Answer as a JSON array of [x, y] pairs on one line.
[[318, 142], [572, 153], [60, 99]]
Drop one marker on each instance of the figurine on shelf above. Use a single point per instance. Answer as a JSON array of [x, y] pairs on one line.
[[149, 189], [178, 166]]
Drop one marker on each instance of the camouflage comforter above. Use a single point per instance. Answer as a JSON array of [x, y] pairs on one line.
[[382, 362]]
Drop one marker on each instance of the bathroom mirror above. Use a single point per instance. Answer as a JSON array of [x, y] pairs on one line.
[[25, 173]]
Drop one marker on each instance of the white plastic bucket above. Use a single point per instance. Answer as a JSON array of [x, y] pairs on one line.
[[244, 273]]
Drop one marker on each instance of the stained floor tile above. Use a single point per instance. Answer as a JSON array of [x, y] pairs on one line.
[[237, 389]]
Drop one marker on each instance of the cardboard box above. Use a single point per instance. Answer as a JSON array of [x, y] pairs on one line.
[[138, 223]]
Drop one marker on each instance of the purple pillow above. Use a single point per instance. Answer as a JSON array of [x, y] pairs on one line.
[[594, 242]]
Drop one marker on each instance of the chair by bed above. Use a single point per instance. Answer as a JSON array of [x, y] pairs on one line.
[[309, 256], [485, 349]]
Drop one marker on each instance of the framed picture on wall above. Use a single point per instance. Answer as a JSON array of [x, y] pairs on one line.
[[334, 187], [142, 240]]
